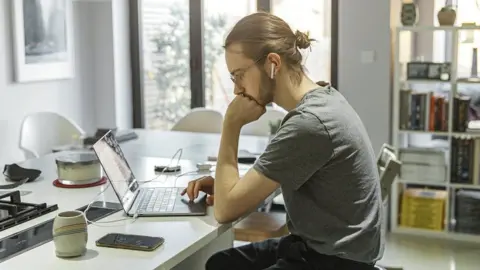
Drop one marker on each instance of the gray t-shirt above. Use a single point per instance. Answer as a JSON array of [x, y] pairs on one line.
[[326, 166]]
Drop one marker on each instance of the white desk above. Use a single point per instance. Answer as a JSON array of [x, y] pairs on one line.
[[189, 241]]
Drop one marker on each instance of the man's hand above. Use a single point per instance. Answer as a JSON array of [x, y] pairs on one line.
[[204, 184], [243, 110]]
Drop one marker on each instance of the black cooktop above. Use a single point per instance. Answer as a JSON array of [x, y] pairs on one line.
[[40, 234], [13, 211]]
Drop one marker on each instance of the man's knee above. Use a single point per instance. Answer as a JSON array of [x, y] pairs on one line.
[[217, 261]]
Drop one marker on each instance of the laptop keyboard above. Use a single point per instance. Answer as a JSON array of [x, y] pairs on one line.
[[158, 200]]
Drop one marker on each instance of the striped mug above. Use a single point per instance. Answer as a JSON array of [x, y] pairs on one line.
[[70, 234]]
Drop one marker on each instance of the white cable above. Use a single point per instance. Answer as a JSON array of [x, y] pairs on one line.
[[90, 205], [179, 151]]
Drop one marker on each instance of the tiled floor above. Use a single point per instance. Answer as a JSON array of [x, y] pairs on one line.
[[412, 253]]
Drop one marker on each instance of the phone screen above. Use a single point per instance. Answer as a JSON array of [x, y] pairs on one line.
[[130, 241]]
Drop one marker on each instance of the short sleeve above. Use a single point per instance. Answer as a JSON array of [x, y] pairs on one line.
[[301, 147]]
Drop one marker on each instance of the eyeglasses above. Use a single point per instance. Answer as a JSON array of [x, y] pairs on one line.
[[237, 76]]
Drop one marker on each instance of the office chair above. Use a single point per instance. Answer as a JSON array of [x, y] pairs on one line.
[[386, 151]]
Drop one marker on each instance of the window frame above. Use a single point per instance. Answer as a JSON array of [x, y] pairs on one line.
[[197, 77], [449, 37]]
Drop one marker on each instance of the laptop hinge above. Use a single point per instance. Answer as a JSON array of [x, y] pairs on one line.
[[133, 202]]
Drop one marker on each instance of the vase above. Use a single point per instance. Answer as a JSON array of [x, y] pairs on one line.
[[70, 234], [409, 14], [446, 17]]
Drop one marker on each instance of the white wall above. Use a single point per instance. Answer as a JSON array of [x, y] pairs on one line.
[[111, 63], [364, 25], [101, 84], [104, 78], [71, 98], [122, 66]]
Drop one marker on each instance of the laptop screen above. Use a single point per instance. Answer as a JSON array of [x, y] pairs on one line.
[[116, 167]]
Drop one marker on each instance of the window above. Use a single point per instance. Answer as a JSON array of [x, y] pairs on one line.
[[312, 16], [220, 17], [178, 61], [468, 12], [166, 68]]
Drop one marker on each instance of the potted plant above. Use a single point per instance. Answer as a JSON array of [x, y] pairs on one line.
[[447, 15]]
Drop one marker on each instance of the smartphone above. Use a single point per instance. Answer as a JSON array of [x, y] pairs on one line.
[[130, 241], [167, 169]]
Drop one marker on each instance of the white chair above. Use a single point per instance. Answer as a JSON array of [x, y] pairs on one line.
[[200, 120], [261, 127], [388, 168], [42, 131]]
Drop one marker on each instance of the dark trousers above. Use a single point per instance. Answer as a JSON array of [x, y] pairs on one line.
[[287, 253]]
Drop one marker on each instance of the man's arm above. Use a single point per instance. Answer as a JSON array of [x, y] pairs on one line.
[[234, 197]]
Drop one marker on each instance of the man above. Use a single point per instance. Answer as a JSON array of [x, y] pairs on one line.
[[321, 157]]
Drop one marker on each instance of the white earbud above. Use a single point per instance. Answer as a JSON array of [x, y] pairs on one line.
[[271, 71]]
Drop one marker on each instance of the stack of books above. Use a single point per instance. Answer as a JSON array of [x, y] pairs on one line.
[[465, 167], [467, 212], [427, 111]]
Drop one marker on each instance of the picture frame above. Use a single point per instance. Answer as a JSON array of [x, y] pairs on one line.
[[417, 70], [43, 40], [428, 71]]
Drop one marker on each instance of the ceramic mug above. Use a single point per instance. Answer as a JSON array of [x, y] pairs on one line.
[[70, 234]]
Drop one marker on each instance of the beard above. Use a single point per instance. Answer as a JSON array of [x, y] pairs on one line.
[[267, 88]]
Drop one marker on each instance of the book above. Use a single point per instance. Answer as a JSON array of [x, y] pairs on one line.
[[464, 160], [423, 111], [461, 108]]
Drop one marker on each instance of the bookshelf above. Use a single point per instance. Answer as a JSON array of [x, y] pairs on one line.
[[437, 110]]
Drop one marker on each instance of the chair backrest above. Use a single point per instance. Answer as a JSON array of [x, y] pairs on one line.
[[385, 153], [388, 168], [42, 131], [200, 120], [261, 127]]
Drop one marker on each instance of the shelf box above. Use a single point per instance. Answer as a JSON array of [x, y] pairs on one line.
[[424, 209], [423, 172], [423, 156]]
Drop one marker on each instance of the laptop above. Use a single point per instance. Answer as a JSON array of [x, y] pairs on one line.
[[137, 200]]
